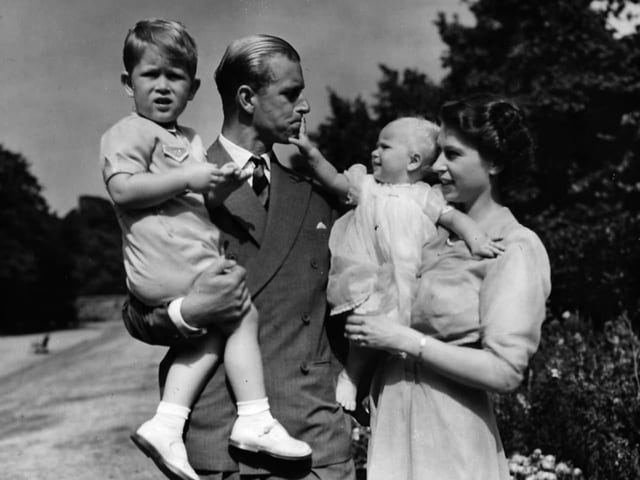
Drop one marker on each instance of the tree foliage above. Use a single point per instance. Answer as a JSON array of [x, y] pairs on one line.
[[35, 265], [578, 83], [92, 233]]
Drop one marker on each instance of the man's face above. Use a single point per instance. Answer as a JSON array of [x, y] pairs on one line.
[[279, 106]]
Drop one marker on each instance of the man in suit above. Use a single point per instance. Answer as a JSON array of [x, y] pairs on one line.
[[277, 227]]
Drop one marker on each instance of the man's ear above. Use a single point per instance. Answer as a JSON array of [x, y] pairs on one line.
[[246, 98], [125, 79], [195, 85], [415, 162]]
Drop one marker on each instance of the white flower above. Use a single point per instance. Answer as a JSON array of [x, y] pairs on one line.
[[566, 314], [548, 462], [563, 469], [555, 373]]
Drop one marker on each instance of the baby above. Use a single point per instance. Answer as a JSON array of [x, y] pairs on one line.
[[157, 175], [376, 248]]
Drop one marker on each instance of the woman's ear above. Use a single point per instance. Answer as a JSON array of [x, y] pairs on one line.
[[246, 98], [125, 79], [494, 168]]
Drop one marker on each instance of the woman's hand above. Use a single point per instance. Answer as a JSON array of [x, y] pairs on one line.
[[378, 331]]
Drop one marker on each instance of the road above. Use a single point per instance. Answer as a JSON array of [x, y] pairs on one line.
[[68, 416]]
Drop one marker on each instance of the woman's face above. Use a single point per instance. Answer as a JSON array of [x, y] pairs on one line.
[[464, 175]]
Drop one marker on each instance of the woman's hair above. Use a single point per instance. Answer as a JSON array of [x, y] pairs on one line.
[[245, 63], [169, 37], [494, 126]]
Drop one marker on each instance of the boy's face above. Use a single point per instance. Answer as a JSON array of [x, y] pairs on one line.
[[390, 159], [160, 88]]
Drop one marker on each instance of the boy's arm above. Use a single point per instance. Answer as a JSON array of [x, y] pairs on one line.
[[145, 189], [323, 170], [467, 229]]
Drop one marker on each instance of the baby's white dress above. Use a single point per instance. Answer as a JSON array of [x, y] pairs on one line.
[[376, 247]]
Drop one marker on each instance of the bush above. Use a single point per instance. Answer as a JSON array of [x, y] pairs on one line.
[[581, 400]]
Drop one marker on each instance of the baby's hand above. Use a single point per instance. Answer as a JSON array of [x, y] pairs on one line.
[[487, 248], [302, 141]]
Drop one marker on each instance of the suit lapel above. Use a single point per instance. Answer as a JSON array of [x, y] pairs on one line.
[[242, 204], [288, 202]]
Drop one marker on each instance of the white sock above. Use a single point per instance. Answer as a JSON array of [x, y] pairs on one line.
[[172, 416], [255, 410]]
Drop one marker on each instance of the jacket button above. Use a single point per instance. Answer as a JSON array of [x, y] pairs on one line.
[[314, 263], [304, 368], [306, 318]]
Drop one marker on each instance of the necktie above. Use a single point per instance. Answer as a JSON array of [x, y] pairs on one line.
[[260, 182]]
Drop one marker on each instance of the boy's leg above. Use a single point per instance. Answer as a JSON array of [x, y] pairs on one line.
[[255, 429], [161, 437]]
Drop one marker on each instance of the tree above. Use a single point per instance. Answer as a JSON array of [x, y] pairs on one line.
[[580, 85], [35, 266], [93, 235]]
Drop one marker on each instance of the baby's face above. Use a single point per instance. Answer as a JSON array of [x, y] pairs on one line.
[[391, 157], [160, 88]]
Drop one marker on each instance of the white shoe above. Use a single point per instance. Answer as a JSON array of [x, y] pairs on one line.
[[166, 449], [272, 440]]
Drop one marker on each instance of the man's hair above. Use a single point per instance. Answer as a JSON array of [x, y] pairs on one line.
[[245, 63], [169, 37]]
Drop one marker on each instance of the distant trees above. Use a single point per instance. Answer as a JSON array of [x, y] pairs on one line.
[[47, 261], [92, 234], [580, 86], [35, 266]]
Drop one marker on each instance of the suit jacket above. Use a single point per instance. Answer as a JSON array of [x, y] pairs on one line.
[[285, 252]]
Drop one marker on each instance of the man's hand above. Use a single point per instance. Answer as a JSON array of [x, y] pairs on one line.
[[218, 297]]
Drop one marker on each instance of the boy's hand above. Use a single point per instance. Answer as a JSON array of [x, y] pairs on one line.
[[303, 142], [487, 248], [200, 177], [231, 178]]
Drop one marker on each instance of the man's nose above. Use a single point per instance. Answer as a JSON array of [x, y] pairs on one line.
[[303, 105]]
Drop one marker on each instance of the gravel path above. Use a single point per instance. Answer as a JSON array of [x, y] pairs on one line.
[[68, 414]]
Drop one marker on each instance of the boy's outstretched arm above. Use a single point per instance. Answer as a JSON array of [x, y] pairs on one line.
[[323, 170], [467, 229], [144, 189]]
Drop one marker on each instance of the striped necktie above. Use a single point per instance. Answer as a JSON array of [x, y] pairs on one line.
[[260, 182]]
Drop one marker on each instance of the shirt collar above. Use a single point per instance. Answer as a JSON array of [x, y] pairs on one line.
[[241, 156]]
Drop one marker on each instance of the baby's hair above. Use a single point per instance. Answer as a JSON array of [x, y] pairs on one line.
[[422, 136], [168, 36]]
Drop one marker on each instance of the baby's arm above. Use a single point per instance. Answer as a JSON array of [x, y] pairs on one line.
[[145, 189], [467, 229], [323, 170]]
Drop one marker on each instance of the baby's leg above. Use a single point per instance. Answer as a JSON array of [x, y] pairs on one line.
[[349, 378], [255, 429], [161, 437]]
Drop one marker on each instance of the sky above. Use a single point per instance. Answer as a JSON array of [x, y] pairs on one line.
[[61, 62]]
